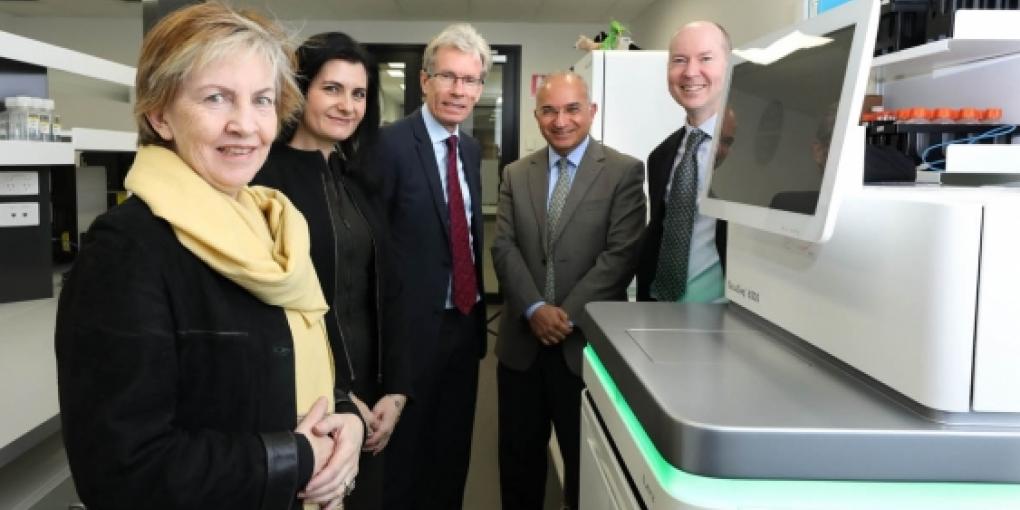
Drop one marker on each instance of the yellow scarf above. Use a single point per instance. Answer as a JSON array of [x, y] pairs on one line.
[[259, 241]]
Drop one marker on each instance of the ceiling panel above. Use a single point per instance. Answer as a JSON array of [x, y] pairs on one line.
[[626, 10], [570, 11], [365, 9], [578, 11], [434, 9], [289, 10], [73, 9], [503, 10]]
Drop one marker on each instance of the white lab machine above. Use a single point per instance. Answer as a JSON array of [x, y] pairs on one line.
[[874, 370]]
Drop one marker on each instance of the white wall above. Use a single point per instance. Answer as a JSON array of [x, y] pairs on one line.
[[116, 39], [545, 47], [744, 20]]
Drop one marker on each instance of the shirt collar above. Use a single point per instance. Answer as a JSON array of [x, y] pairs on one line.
[[437, 133], [708, 127], [574, 157]]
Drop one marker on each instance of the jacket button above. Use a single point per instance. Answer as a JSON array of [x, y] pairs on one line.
[[281, 351]]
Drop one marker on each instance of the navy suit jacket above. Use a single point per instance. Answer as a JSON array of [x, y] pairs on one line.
[[660, 164], [420, 229]]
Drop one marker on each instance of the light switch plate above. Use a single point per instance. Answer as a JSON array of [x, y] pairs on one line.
[[19, 214], [19, 183]]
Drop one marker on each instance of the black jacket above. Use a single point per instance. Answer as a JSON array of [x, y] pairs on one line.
[[303, 177], [176, 385], [420, 226], [660, 164]]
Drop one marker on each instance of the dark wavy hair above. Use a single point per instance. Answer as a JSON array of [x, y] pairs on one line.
[[315, 53]]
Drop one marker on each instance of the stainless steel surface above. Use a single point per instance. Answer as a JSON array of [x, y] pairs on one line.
[[721, 395]]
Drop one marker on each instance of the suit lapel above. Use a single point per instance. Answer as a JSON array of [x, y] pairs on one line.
[[658, 176], [591, 164], [538, 188], [473, 173], [662, 170], [427, 158]]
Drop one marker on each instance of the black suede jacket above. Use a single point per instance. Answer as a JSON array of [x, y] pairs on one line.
[[303, 177], [176, 385]]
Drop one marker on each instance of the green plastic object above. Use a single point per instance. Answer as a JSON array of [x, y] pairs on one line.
[[616, 29], [706, 492]]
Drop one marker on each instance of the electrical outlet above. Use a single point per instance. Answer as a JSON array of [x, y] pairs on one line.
[[19, 183], [19, 214]]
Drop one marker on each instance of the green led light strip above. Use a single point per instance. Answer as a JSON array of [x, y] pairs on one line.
[[705, 492]]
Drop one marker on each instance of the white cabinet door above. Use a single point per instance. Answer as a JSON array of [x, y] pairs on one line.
[[603, 483]]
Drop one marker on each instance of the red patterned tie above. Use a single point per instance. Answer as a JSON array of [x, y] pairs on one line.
[[464, 285]]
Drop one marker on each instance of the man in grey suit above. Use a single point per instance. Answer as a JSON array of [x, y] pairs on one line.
[[570, 219]]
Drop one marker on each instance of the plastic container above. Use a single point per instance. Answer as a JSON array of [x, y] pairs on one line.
[[45, 109], [992, 115], [969, 115], [919, 116], [17, 117], [943, 116], [55, 128], [34, 105], [882, 115]]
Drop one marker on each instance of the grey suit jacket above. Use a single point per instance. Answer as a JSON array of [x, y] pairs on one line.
[[595, 246]]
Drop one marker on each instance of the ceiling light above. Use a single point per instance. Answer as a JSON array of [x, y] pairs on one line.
[[396, 65], [396, 73], [779, 49]]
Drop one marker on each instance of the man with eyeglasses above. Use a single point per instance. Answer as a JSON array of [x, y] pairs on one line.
[[432, 188], [567, 231]]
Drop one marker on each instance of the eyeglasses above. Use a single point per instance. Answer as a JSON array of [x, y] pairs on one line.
[[449, 80]]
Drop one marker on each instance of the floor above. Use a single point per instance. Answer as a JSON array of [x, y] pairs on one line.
[[482, 492]]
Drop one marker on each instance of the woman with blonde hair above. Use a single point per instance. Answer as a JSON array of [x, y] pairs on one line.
[[194, 367]]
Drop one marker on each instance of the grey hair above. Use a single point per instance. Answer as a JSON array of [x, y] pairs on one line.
[[568, 75], [463, 37]]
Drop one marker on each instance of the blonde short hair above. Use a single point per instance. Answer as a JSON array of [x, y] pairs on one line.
[[188, 39], [463, 37]]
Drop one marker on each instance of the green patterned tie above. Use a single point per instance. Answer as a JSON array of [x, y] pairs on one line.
[[670, 281], [559, 197]]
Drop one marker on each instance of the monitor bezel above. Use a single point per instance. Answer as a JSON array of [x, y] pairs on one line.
[[836, 181]]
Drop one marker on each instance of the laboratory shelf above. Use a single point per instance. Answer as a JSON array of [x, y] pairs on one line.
[[978, 35], [940, 55], [30, 51], [27, 153], [85, 139]]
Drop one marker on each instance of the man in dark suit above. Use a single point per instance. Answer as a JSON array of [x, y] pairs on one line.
[[569, 223], [683, 253], [433, 198]]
